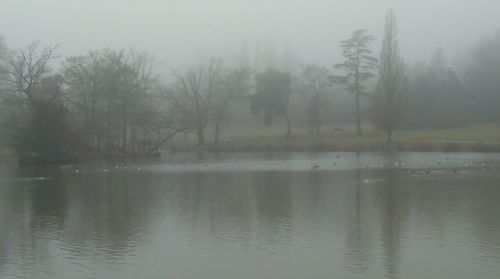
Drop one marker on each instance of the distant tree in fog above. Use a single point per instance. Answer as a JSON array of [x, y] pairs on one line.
[[391, 84], [244, 56], [314, 85], [273, 90], [33, 104], [137, 82], [436, 89], [193, 94], [49, 129], [234, 85], [358, 67], [113, 94], [4, 54], [82, 77], [25, 70], [482, 80]]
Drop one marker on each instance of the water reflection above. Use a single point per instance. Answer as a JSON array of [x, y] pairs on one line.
[[356, 239], [392, 211], [351, 223]]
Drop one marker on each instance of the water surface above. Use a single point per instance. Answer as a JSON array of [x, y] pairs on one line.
[[280, 215]]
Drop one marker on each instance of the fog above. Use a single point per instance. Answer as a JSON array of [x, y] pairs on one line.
[[290, 138], [130, 75], [181, 32]]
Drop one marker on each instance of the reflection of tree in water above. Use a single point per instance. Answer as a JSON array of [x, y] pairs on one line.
[[482, 214], [111, 211], [47, 197], [314, 189], [214, 206], [391, 206], [12, 223], [357, 248], [28, 214], [230, 209], [274, 205], [100, 214], [190, 194], [465, 205], [224, 205]]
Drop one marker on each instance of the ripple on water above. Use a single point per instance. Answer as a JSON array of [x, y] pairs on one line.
[[276, 216]]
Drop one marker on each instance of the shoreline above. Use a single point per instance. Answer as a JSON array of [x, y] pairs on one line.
[[285, 146], [291, 146]]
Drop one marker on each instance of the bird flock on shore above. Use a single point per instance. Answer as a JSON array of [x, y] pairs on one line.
[[430, 169]]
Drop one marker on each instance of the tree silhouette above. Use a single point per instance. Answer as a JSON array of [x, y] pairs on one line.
[[358, 67]]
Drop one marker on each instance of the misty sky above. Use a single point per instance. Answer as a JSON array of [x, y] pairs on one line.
[[181, 31]]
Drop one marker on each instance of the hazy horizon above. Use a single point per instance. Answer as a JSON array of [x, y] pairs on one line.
[[183, 32]]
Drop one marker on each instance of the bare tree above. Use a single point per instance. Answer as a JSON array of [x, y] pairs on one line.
[[313, 84], [115, 85], [235, 84], [4, 58], [391, 79], [193, 93], [81, 75], [24, 71], [156, 123], [137, 81], [358, 67], [35, 102]]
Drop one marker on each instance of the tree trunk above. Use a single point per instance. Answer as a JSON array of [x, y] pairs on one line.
[[200, 135], [99, 142], [288, 126], [124, 129], [108, 126], [358, 115], [310, 117], [356, 85], [390, 115], [317, 116], [318, 129], [93, 129], [216, 131], [164, 140]]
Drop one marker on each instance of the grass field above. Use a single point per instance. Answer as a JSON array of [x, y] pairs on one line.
[[473, 138], [484, 137]]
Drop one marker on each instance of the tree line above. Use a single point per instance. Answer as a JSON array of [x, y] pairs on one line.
[[115, 101]]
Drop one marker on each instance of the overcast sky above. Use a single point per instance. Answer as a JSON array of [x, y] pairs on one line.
[[180, 31]]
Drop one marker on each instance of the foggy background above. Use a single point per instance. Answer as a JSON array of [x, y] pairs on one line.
[[246, 62], [181, 32]]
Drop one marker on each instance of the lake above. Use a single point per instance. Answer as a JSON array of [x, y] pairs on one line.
[[254, 215]]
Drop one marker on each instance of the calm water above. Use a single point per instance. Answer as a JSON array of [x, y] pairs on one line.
[[255, 216]]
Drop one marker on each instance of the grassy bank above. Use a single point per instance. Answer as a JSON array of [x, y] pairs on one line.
[[474, 138]]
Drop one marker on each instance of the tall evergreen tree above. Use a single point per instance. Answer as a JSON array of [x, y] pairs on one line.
[[358, 67], [391, 82]]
